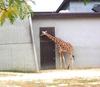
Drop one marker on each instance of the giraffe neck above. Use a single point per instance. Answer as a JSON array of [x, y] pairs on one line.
[[54, 39]]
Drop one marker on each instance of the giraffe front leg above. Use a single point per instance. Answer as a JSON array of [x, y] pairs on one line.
[[63, 61], [60, 56]]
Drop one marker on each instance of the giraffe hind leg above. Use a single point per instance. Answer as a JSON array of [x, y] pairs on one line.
[[68, 67], [70, 62]]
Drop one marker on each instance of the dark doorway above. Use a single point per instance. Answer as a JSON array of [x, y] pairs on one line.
[[47, 49]]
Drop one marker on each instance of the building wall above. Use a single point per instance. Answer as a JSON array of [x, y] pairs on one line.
[[80, 7], [82, 33], [16, 51], [77, 7]]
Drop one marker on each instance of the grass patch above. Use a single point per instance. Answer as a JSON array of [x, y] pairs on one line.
[[88, 80], [76, 81], [18, 71]]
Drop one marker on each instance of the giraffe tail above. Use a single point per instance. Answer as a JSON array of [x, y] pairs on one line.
[[73, 57]]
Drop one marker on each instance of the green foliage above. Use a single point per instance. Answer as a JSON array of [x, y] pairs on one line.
[[86, 1], [12, 9]]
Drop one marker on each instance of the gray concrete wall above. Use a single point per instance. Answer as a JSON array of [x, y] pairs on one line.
[[82, 33], [16, 51]]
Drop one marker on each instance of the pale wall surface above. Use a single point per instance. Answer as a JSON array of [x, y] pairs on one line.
[[16, 51], [82, 33], [80, 7]]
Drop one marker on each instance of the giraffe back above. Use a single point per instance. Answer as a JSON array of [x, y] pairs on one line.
[[65, 46]]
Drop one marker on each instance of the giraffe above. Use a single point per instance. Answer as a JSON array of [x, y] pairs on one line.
[[63, 48]]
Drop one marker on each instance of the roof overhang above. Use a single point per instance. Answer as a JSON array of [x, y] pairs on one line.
[[54, 15], [64, 5]]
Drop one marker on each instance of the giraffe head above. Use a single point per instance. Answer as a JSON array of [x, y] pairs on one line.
[[43, 33]]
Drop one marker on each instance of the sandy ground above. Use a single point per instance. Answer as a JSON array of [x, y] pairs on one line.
[[52, 78]]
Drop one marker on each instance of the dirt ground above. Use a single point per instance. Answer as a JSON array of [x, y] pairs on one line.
[[52, 78]]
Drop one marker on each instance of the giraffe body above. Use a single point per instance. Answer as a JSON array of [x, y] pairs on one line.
[[63, 48]]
